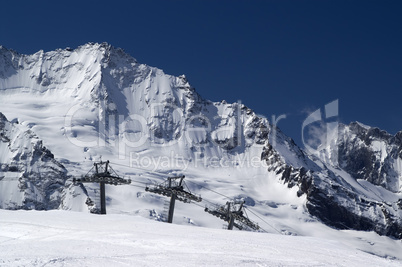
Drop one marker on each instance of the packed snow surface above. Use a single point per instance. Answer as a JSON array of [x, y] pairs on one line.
[[60, 238]]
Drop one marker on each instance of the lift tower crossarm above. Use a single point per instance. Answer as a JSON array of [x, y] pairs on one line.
[[173, 188], [102, 175], [234, 217]]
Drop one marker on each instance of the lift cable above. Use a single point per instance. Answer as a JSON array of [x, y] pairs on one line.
[[210, 202], [195, 203], [148, 174], [136, 186], [160, 173], [156, 173], [202, 186], [209, 189], [259, 225], [264, 220], [133, 181]]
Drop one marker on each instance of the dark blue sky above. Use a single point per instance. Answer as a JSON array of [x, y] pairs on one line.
[[277, 57]]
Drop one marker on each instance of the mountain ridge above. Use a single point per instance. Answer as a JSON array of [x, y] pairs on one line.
[[97, 101]]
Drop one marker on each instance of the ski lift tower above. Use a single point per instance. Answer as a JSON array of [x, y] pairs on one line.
[[173, 188], [233, 213], [103, 174]]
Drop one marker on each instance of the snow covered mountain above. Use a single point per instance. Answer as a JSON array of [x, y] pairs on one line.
[[369, 161], [98, 102], [357, 189]]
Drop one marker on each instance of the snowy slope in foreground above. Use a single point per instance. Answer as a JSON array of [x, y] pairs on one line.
[[59, 238]]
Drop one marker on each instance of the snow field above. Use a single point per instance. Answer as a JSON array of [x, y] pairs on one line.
[[60, 238]]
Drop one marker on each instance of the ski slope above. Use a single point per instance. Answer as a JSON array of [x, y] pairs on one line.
[[60, 238]]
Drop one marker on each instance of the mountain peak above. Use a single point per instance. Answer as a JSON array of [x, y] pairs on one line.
[[95, 46], [361, 125], [3, 48], [3, 117], [108, 50]]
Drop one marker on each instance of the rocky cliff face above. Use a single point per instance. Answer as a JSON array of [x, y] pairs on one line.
[[30, 177], [371, 154], [360, 190]]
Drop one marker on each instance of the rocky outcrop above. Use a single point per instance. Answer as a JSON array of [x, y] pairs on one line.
[[30, 177], [351, 195]]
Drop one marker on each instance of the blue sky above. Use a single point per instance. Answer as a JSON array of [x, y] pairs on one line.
[[277, 57]]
